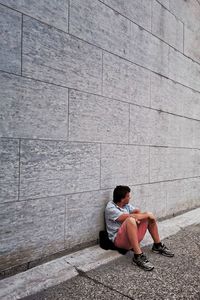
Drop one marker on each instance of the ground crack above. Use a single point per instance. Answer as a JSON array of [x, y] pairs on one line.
[[84, 274]]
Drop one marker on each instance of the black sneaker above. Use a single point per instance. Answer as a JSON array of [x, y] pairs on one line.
[[142, 262], [162, 249]]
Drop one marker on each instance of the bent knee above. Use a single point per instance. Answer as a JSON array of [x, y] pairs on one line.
[[152, 214], [131, 220], [149, 212]]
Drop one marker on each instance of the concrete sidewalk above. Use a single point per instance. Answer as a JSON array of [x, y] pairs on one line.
[[94, 273], [172, 278]]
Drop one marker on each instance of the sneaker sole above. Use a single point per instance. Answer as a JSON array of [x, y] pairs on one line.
[[146, 269], [168, 255]]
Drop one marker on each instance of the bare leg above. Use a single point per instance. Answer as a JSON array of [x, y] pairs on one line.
[[153, 230], [132, 234]]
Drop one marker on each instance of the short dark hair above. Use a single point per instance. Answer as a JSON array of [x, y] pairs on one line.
[[120, 192]]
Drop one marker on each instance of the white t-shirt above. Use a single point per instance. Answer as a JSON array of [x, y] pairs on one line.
[[112, 212]]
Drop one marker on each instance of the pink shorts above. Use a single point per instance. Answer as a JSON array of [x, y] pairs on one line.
[[121, 239]]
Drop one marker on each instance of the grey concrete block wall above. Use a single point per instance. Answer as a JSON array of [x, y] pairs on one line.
[[10, 50], [124, 80], [32, 229], [94, 93], [192, 44], [32, 109], [50, 168], [48, 12], [53, 56], [94, 118], [167, 26]]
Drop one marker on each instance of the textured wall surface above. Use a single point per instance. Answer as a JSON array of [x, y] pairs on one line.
[[94, 94]]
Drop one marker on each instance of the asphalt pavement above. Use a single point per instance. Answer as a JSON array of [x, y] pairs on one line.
[[175, 277]]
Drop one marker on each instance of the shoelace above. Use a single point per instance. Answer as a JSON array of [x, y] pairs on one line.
[[163, 246], [144, 258]]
